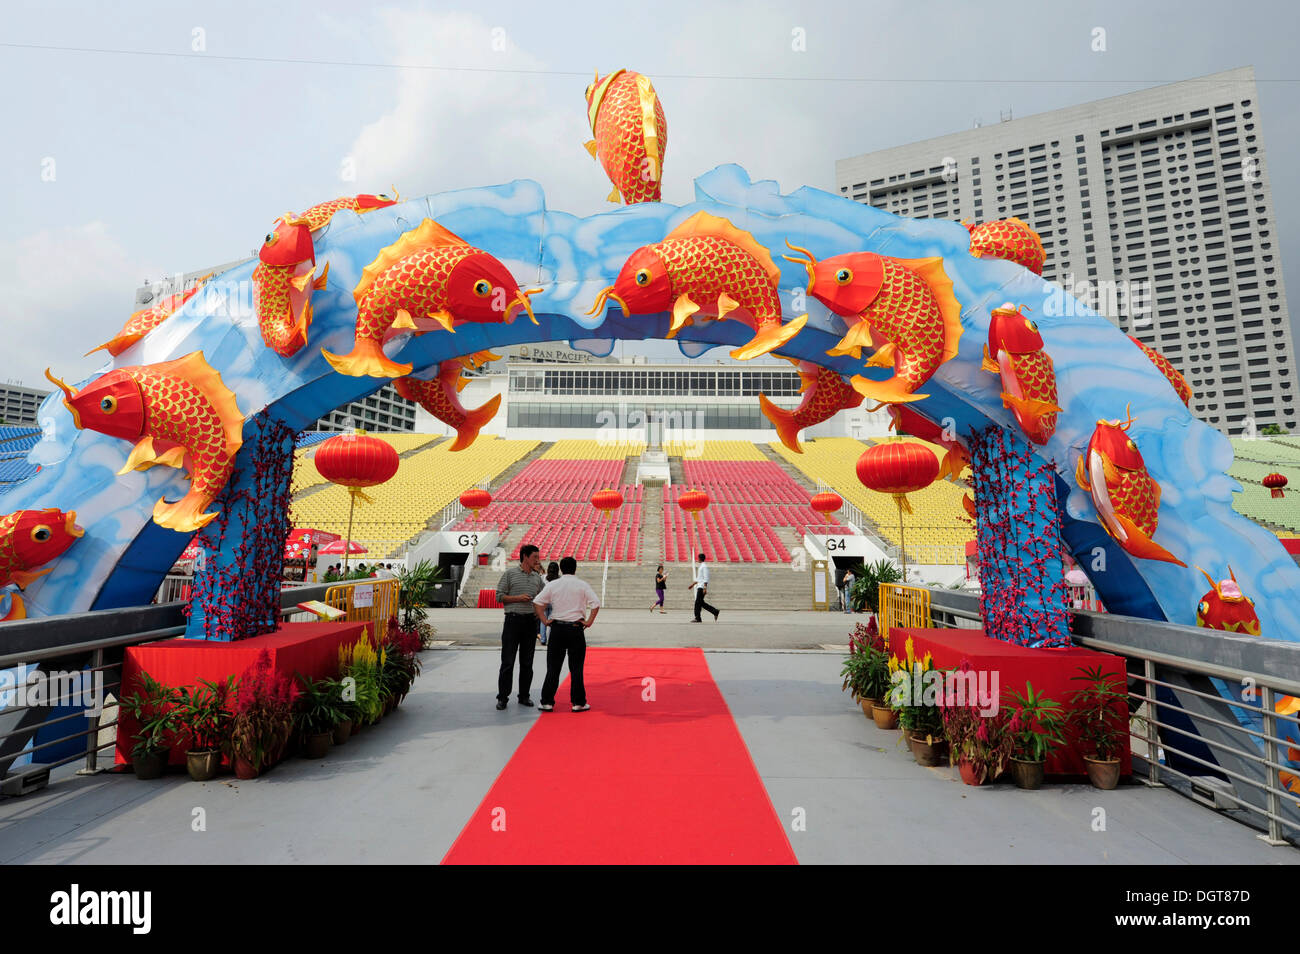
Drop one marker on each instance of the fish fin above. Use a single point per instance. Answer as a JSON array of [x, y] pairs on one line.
[[885, 392], [1080, 475], [769, 338], [300, 282], [1034, 409], [683, 308], [403, 320], [930, 271], [366, 358], [185, 515], [17, 609], [474, 421], [968, 504], [117, 344], [483, 357], [884, 356], [855, 339], [462, 382], [726, 305], [976, 253], [783, 421], [613, 195], [429, 234], [320, 283], [304, 322], [839, 351], [24, 578], [195, 369], [1110, 471], [988, 364], [590, 146], [172, 457], [702, 223], [649, 132], [141, 457], [443, 317], [1142, 546]]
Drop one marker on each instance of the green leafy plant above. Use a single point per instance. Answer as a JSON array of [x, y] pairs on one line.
[[153, 707], [415, 591], [1099, 713], [1037, 725], [204, 717], [867, 578], [320, 705]]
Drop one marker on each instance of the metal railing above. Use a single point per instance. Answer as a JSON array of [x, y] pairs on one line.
[[372, 601], [903, 606]]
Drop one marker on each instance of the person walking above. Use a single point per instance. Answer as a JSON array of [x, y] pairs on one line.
[[661, 584], [701, 586], [552, 573], [847, 590], [569, 598], [515, 592]]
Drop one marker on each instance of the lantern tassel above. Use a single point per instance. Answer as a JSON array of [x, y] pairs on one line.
[[903, 503], [1277, 492], [359, 494]]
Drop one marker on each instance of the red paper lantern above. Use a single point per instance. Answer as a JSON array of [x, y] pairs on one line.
[[355, 460], [475, 499], [693, 501], [826, 503], [607, 500], [1275, 483], [897, 468]]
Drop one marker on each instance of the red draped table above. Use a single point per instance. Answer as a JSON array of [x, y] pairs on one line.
[[311, 649], [1051, 671]]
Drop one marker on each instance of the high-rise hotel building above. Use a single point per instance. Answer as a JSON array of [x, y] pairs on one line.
[[1158, 200]]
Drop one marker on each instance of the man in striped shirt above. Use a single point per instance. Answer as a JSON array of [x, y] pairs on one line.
[[515, 592]]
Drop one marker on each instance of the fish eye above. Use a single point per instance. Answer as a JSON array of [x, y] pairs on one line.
[[844, 276], [643, 277], [1250, 601], [108, 405], [1203, 607], [482, 288], [272, 238], [384, 196], [1030, 325], [41, 534], [1130, 445]]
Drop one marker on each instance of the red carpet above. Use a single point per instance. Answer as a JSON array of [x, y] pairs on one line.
[[630, 781]]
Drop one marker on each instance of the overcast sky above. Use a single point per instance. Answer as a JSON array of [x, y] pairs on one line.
[[166, 158]]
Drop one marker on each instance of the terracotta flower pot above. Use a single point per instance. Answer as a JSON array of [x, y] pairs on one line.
[[244, 768], [885, 717], [1103, 773], [202, 764], [866, 705], [1028, 775], [929, 753], [317, 745], [969, 773], [342, 731], [150, 765]]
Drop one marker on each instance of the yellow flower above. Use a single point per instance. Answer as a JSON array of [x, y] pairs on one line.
[[910, 650]]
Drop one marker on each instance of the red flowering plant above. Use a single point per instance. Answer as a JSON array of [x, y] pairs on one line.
[[979, 739], [263, 719], [866, 671]]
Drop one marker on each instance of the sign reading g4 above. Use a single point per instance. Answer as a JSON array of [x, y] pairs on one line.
[[836, 543]]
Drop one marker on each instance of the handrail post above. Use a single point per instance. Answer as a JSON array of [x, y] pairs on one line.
[[1274, 763], [1153, 741], [92, 719]]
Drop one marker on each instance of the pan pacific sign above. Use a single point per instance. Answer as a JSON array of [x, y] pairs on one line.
[[550, 355]]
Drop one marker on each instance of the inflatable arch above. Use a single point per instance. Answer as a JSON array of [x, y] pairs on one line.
[[1100, 373]]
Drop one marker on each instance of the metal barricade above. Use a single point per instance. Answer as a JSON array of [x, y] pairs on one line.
[[903, 606], [372, 601]]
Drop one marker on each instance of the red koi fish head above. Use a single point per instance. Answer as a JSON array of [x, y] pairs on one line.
[[846, 284], [289, 243], [112, 405], [480, 288], [39, 536], [1111, 438], [642, 287], [1226, 607], [1012, 332], [367, 203]]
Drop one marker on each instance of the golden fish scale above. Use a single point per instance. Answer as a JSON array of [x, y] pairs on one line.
[[906, 313], [1172, 375], [318, 216], [433, 398], [1007, 241], [417, 283], [143, 322], [620, 140], [8, 555], [1135, 497], [1037, 379], [179, 412], [271, 301], [706, 266], [824, 400]]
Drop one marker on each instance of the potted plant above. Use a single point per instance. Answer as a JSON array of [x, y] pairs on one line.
[[1099, 717], [317, 715], [978, 744], [1037, 726], [263, 718], [204, 718], [153, 707], [348, 714], [363, 666], [920, 716], [867, 578], [401, 662], [415, 592], [854, 673]]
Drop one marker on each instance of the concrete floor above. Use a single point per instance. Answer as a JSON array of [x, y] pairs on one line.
[[401, 791]]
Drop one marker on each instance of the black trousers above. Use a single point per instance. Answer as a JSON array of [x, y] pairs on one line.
[[566, 639], [518, 634], [701, 605]]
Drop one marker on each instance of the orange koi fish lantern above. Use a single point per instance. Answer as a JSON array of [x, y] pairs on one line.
[[1009, 239], [285, 275], [825, 394], [178, 413], [440, 397], [1127, 499], [429, 278], [607, 501], [631, 133], [146, 320], [902, 307], [475, 499], [1164, 366], [694, 502], [1015, 353], [898, 468], [30, 538], [1225, 607], [1275, 483], [826, 503], [356, 461], [706, 268]]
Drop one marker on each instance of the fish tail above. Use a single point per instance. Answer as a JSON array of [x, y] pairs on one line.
[[768, 338], [892, 391], [783, 421], [366, 358], [17, 609], [24, 578], [185, 515], [116, 345], [467, 433], [1140, 545]]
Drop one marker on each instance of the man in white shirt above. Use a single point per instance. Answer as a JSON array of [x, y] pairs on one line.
[[569, 599], [701, 586]]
